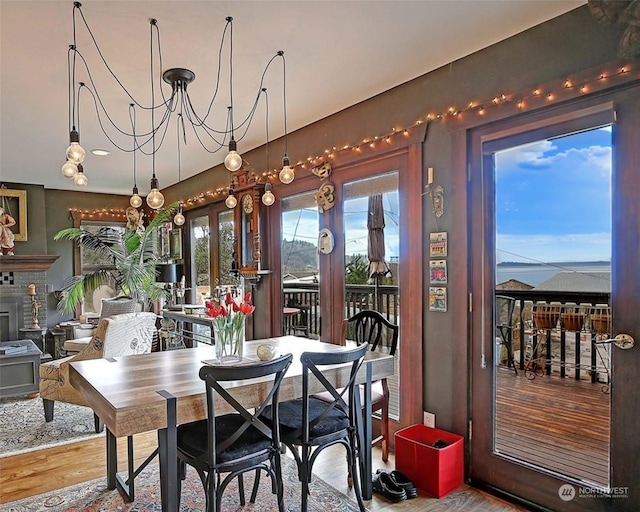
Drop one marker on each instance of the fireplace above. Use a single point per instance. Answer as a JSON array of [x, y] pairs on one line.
[[16, 274], [11, 317]]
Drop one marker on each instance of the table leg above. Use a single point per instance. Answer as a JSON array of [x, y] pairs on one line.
[[168, 457], [112, 460], [365, 437]]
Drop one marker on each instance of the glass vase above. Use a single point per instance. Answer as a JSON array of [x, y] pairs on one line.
[[229, 339]]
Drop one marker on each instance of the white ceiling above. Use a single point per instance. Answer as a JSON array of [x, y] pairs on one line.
[[338, 53]]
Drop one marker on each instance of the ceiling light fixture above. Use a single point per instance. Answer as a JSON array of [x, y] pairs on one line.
[[286, 174], [211, 138], [178, 218], [231, 200], [135, 200], [100, 152], [80, 179], [155, 199], [267, 198]]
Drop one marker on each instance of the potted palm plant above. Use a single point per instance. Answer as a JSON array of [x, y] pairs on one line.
[[134, 258]]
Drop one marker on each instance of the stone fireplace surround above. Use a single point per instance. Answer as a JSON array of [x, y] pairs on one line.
[[17, 272]]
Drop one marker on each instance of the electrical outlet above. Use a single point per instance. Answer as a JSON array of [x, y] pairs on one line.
[[429, 419]]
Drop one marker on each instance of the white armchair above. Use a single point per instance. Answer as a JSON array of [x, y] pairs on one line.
[[119, 335], [109, 307]]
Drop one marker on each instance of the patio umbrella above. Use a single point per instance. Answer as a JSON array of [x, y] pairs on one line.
[[375, 247]]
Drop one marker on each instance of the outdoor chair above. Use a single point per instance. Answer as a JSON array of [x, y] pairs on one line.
[[238, 442], [368, 326], [504, 326], [119, 335], [109, 307], [308, 425]]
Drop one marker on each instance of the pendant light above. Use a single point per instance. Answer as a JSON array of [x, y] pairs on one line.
[[233, 161], [155, 199], [69, 169], [267, 198], [231, 200], [287, 174], [178, 218], [135, 200], [75, 153], [80, 179]]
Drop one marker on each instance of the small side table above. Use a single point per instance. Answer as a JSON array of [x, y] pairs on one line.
[[37, 335], [20, 372]]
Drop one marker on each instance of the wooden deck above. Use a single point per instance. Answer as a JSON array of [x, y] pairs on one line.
[[559, 424]]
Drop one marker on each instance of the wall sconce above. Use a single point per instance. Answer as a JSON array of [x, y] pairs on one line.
[[436, 193]]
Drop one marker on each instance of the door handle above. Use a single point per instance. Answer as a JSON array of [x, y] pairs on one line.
[[623, 341]]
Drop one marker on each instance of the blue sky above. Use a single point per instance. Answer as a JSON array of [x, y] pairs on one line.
[[553, 199]]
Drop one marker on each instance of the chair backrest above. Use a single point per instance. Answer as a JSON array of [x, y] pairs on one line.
[[215, 376], [119, 305], [504, 311], [121, 335], [312, 363], [369, 326]]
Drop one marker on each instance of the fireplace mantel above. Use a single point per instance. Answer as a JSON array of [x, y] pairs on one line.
[[27, 262]]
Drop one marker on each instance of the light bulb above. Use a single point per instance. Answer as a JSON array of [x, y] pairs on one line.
[[268, 198], [233, 161], [75, 153], [80, 179], [286, 174], [135, 201], [178, 220], [69, 169], [231, 200], [155, 199]]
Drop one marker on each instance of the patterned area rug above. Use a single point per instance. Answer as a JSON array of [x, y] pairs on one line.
[[23, 429], [93, 496]]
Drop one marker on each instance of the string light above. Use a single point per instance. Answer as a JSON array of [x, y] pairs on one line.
[[479, 107]]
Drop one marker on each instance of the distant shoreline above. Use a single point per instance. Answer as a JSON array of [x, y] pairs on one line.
[[535, 273]]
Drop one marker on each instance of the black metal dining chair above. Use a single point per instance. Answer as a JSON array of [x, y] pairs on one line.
[[369, 326], [308, 425], [247, 440]]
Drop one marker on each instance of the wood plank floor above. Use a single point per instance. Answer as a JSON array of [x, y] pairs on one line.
[[560, 424], [46, 470]]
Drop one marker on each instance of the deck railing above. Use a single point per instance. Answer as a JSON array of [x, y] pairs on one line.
[[383, 298], [554, 331]]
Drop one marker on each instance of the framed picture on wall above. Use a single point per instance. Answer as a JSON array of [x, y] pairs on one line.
[[438, 244], [438, 271], [14, 215], [438, 298], [175, 244]]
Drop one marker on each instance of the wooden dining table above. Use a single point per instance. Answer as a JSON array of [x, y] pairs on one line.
[[160, 390]]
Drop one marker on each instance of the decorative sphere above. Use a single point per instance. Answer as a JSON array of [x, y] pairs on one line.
[[266, 352]]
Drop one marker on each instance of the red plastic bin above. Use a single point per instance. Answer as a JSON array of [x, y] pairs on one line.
[[435, 471]]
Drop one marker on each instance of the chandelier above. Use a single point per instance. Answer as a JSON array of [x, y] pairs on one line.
[[161, 106]]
